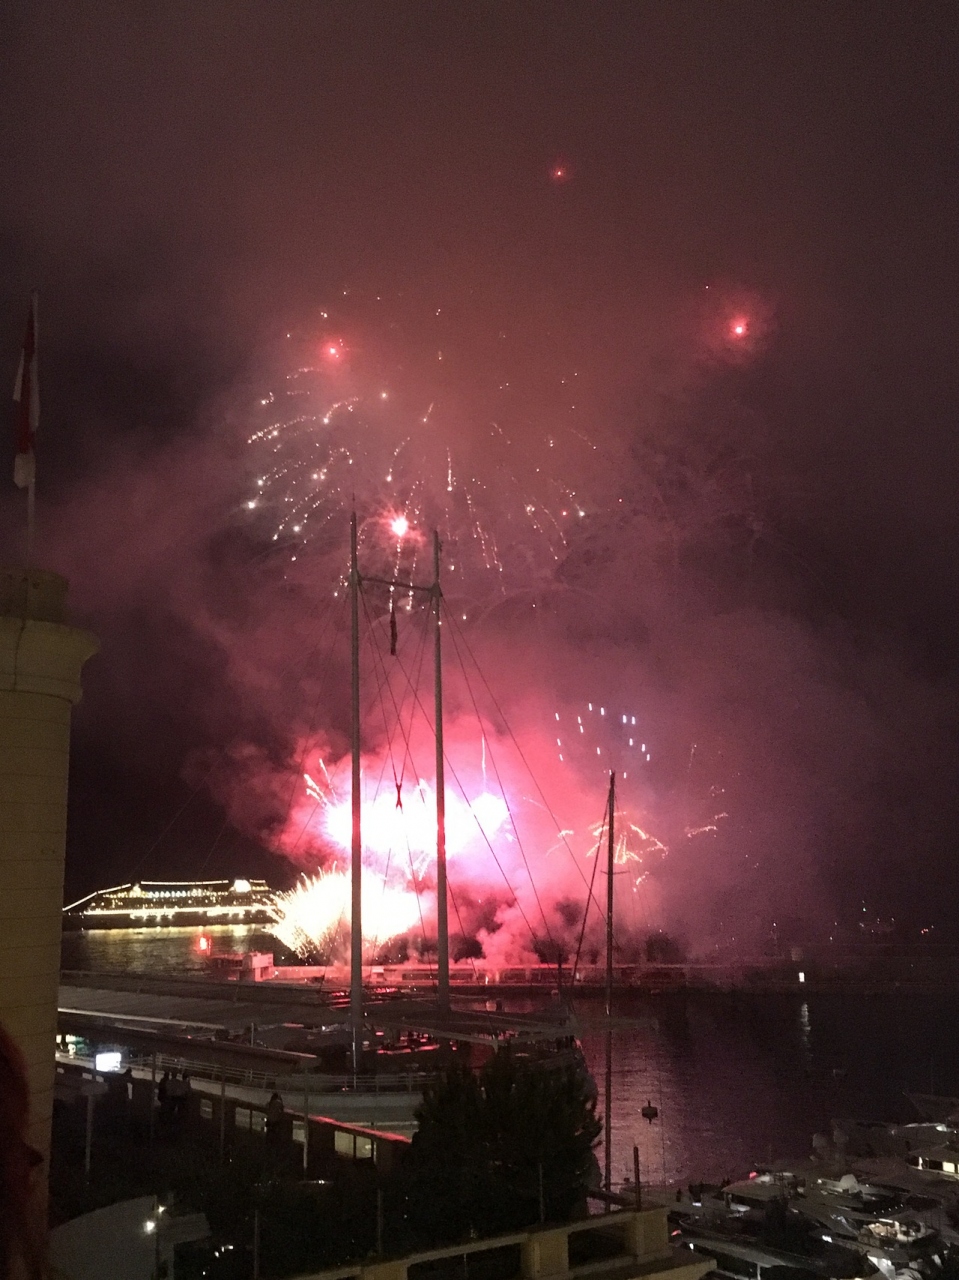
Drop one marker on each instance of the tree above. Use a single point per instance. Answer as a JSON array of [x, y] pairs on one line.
[[502, 1149]]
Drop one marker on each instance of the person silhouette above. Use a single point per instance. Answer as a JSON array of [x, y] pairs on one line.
[[21, 1231]]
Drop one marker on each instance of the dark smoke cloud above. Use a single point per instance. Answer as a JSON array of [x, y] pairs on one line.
[[767, 564]]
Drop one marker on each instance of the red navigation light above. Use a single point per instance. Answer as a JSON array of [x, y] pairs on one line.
[[203, 943]]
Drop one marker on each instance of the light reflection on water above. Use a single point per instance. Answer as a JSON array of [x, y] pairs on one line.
[[738, 1079], [168, 950], [743, 1079]]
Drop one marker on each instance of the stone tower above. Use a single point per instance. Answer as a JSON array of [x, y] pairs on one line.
[[40, 661]]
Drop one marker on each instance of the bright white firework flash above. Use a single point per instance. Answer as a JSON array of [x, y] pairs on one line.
[[314, 917]]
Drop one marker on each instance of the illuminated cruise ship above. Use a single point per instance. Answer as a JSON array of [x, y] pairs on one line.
[[159, 903]]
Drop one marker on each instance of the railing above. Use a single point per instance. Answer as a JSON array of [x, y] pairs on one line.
[[629, 1242], [413, 1082]]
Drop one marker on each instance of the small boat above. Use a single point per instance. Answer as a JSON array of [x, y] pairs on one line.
[[874, 1222], [877, 1220], [743, 1255]]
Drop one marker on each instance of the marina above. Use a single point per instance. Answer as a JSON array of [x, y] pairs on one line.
[[737, 1077]]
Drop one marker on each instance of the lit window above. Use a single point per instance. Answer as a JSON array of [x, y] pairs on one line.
[[343, 1143]]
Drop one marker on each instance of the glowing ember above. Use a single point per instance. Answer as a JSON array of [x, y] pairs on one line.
[[322, 454], [315, 916], [633, 844]]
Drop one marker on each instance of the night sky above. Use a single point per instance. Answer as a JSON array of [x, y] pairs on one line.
[[689, 268]]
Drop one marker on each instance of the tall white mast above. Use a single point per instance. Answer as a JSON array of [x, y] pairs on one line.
[[356, 854], [610, 861], [442, 919]]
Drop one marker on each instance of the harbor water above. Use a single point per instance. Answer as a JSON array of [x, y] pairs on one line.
[[737, 1079]]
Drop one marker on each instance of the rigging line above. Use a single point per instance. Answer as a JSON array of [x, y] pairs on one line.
[[398, 709], [409, 848], [390, 733], [378, 661], [419, 909], [306, 823], [388, 730], [407, 754], [582, 932], [471, 959], [499, 781], [412, 685], [512, 736], [486, 840], [546, 805], [176, 818], [387, 683], [496, 859]]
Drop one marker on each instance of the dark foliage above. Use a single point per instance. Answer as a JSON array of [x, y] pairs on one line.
[[500, 1150]]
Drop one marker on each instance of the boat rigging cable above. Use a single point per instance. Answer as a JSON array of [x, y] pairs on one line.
[[384, 688], [411, 685], [488, 748], [519, 750], [582, 932], [479, 825]]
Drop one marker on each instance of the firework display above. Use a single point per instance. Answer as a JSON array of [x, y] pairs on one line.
[[521, 820], [503, 517], [313, 918]]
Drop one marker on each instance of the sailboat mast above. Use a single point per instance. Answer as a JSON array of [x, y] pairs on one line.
[[442, 920], [610, 862], [356, 848]]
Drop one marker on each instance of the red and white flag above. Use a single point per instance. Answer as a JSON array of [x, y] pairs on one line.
[[26, 394]]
